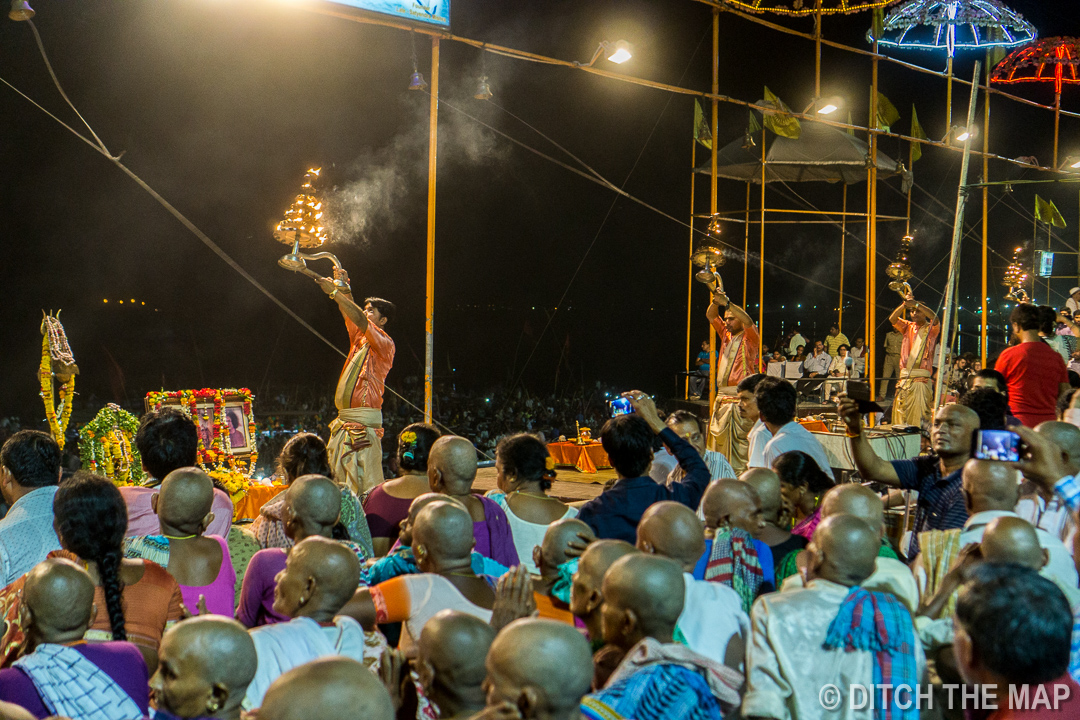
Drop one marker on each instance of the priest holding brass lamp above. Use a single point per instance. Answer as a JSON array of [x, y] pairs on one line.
[[355, 445], [738, 359]]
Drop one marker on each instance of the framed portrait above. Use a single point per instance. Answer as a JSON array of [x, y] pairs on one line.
[[224, 420]]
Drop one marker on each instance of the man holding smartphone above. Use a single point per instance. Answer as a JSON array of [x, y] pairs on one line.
[[628, 441], [937, 477]]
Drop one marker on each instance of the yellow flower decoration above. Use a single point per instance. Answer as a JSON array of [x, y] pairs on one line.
[[549, 463], [408, 437]]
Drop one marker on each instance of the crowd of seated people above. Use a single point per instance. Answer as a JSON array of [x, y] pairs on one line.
[[687, 593]]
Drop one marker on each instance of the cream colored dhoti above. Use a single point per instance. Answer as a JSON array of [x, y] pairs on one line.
[[914, 398], [728, 431], [358, 468]]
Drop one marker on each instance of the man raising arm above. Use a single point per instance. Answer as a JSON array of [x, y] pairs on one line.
[[936, 477]]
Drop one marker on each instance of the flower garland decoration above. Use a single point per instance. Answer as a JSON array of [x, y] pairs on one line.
[[219, 455], [235, 483], [107, 447], [55, 349]]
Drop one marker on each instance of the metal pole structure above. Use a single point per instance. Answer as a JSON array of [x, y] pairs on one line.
[[761, 258], [1057, 122], [948, 101], [843, 247], [746, 245], [871, 235], [958, 232], [985, 218], [433, 153], [713, 366], [817, 50], [689, 264]]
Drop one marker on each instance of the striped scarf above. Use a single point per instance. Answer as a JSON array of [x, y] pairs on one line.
[[879, 623], [734, 562]]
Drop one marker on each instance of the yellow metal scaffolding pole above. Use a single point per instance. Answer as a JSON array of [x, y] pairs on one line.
[[429, 308], [843, 246], [746, 246], [761, 258], [689, 264], [871, 229], [712, 182]]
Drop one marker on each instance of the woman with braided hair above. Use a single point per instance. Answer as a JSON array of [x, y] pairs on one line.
[[134, 600]]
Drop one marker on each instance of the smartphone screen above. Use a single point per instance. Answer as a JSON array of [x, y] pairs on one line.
[[1001, 445], [621, 406]]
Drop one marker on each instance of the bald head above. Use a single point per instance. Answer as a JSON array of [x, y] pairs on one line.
[[557, 540], [990, 485], [453, 646], [443, 533], [183, 502], [418, 504], [1012, 540], [1067, 437], [542, 667], [204, 661], [647, 590], [732, 503], [320, 576], [844, 550], [452, 465], [314, 501], [952, 430], [766, 483], [673, 530], [337, 687], [858, 501], [586, 594], [59, 596]]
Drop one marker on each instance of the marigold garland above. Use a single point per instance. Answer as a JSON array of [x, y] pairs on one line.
[[107, 447], [217, 460], [57, 426]]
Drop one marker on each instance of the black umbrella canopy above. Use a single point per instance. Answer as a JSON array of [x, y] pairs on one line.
[[821, 153]]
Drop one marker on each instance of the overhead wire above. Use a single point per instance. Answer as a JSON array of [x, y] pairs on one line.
[[101, 149]]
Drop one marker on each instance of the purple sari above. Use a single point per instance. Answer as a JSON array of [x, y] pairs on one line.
[[493, 536]]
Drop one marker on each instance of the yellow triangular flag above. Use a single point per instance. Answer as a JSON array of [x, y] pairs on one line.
[[916, 132], [781, 122], [702, 132], [1047, 212]]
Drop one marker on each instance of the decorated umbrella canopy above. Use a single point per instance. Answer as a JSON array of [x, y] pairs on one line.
[[952, 24], [821, 153], [1050, 60], [807, 7]]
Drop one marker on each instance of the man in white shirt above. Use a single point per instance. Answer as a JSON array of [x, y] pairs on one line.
[[787, 663], [1073, 303], [817, 363], [776, 400], [759, 435], [796, 340], [991, 490], [686, 425]]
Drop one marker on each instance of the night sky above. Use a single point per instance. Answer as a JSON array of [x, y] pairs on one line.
[[220, 105]]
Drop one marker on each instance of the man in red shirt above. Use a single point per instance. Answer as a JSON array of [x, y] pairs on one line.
[[356, 433], [1013, 630], [1034, 371]]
